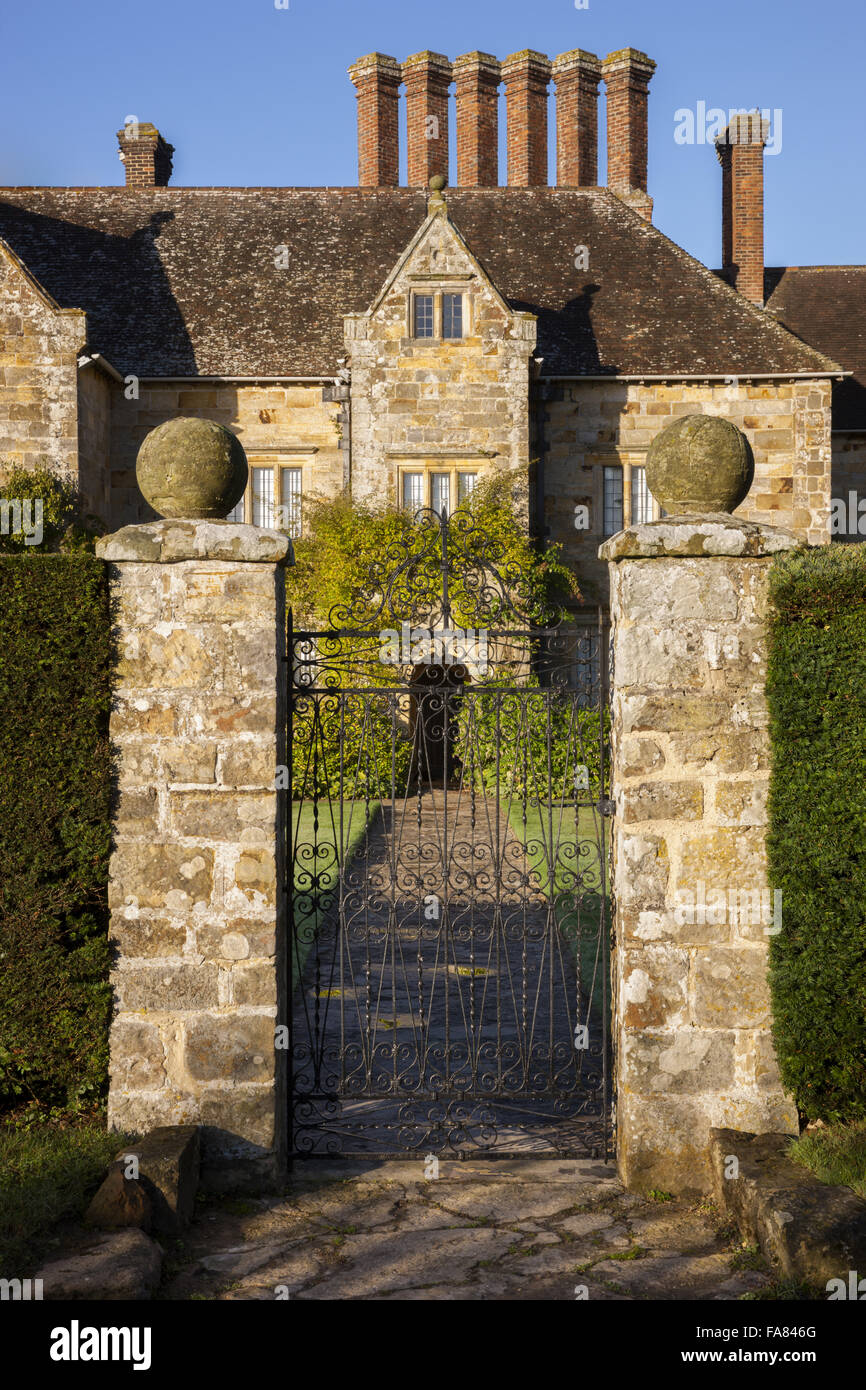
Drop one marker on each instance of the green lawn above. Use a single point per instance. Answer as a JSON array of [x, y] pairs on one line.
[[579, 914], [314, 848], [48, 1173], [835, 1154]]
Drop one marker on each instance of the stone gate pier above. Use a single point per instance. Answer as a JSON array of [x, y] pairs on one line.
[[197, 927], [690, 771]]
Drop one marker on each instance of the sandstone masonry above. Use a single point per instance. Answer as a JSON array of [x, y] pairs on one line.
[[690, 773], [196, 914]]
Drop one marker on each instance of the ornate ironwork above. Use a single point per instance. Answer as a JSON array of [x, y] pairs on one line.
[[447, 864]]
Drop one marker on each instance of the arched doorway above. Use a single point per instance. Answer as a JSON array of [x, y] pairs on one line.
[[436, 691]]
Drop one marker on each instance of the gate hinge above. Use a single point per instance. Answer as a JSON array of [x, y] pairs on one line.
[[606, 807]]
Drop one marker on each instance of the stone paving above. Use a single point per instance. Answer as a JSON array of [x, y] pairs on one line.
[[537, 1229]]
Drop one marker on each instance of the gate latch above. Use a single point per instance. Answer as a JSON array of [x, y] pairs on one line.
[[606, 807]]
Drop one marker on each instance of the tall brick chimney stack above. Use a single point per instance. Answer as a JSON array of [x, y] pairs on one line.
[[741, 154], [477, 77], [526, 76], [377, 83], [627, 76], [146, 156], [427, 77], [576, 76]]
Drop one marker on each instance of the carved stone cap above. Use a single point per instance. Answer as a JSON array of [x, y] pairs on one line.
[[192, 468], [700, 463], [419, 64], [483, 64], [630, 60], [577, 60], [374, 65], [528, 62], [166, 542], [713, 533]]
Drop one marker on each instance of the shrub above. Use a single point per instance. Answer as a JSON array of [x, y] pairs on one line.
[[54, 814], [341, 580], [65, 526], [816, 691], [542, 739]]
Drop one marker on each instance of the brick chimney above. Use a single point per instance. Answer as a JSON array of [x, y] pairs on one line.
[[377, 83], [427, 77], [146, 156], [627, 76], [741, 154], [477, 77], [526, 76], [577, 75]]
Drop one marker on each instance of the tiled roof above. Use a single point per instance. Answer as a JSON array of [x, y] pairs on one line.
[[183, 281], [826, 306]]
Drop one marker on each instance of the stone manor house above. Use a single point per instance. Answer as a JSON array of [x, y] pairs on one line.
[[395, 342]]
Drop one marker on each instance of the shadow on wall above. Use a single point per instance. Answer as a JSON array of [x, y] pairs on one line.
[[565, 471]]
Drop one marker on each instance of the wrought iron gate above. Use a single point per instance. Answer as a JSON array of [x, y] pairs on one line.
[[447, 864]]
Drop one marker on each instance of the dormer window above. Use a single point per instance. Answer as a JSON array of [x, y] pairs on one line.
[[438, 315]]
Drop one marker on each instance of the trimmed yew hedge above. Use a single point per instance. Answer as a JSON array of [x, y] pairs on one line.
[[54, 828], [817, 837]]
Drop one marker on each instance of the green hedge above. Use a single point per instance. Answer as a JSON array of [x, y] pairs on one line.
[[817, 839], [546, 745], [54, 828]]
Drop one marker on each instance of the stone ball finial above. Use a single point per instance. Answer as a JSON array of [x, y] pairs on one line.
[[438, 182], [700, 463], [192, 468]]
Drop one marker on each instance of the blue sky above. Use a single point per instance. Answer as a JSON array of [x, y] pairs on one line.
[[250, 94]]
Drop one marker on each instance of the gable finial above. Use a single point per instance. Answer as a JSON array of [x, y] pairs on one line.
[[436, 202]]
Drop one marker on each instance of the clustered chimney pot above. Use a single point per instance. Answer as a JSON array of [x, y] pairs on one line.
[[427, 77], [377, 80], [476, 80], [627, 74], [576, 76], [527, 77]]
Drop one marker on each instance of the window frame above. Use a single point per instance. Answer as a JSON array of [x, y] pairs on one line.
[[413, 317], [277, 462], [619, 475], [429, 467], [437, 294]]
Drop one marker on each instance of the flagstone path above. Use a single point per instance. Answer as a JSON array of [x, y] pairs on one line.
[[538, 1229]]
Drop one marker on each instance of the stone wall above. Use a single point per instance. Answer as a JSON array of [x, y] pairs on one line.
[[198, 729], [596, 423], [39, 346], [690, 773], [296, 423], [849, 475]]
